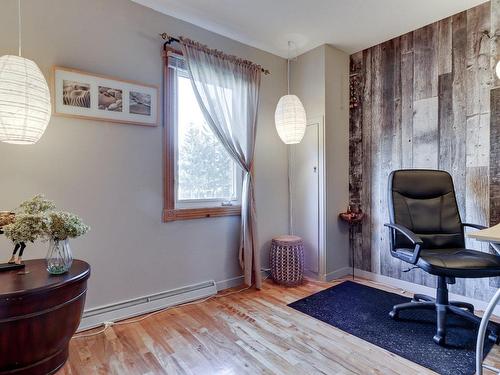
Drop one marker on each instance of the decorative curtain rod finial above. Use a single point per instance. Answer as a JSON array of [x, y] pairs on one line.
[[168, 39]]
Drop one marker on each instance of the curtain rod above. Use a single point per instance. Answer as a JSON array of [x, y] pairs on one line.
[[170, 39]]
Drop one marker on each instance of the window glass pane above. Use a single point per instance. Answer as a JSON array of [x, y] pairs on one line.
[[204, 169]]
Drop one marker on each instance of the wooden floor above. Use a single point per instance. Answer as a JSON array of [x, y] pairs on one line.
[[252, 332]]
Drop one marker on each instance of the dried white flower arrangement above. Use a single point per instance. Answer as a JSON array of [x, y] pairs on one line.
[[36, 218]]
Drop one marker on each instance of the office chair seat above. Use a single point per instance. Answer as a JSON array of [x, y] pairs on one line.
[[455, 262]]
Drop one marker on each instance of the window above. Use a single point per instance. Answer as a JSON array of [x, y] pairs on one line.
[[201, 179], [206, 174]]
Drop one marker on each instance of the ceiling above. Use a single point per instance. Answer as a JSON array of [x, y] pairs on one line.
[[350, 25]]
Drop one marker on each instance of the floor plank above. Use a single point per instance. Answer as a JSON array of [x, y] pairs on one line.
[[252, 332]]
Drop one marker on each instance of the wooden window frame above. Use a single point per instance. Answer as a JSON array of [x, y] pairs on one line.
[[170, 212]]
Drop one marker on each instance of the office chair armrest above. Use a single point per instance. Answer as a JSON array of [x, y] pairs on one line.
[[476, 226], [416, 240]]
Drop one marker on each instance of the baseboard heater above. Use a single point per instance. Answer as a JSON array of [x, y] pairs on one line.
[[113, 312]]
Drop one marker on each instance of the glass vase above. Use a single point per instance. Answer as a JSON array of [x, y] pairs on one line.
[[59, 257]]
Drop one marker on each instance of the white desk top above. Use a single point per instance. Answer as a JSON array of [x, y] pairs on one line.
[[491, 234]]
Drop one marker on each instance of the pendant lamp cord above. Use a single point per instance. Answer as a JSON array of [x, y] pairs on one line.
[[288, 67], [19, 25], [289, 149], [290, 203]]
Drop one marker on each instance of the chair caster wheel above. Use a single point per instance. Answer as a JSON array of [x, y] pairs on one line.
[[438, 339], [494, 338], [394, 314]]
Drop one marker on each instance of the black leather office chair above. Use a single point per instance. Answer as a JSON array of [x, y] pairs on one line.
[[426, 231]]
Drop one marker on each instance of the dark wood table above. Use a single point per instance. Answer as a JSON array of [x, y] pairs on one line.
[[39, 313]]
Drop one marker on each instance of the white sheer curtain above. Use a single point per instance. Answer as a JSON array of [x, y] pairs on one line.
[[227, 89]]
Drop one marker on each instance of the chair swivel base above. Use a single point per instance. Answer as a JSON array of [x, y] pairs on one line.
[[443, 307]]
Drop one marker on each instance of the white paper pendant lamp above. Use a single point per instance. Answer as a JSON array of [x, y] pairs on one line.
[[24, 101], [290, 115], [24, 98], [290, 119]]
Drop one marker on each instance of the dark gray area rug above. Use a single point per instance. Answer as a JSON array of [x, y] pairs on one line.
[[363, 312]]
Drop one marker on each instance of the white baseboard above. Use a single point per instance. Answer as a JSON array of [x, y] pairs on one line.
[[421, 289], [229, 283], [237, 281], [341, 272], [312, 275], [114, 312]]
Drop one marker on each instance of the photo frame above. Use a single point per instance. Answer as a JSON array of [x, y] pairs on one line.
[[80, 94]]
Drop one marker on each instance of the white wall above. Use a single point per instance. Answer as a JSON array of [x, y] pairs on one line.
[[308, 81], [111, 174], [337, 156], [320, 78]]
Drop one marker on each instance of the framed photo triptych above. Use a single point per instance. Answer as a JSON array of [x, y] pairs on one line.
[[85, 95]]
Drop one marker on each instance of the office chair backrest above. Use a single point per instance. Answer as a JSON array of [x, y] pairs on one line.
[[424, 201]]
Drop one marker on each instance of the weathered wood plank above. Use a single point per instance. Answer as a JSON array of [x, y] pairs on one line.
[[390, 144], [478, 83], [477, 201], [425, 153], [495, 122], [449, 153], [445, 46], [425, 111], [425, 133], [366, 192], [495, 157], [477, 188], [477, 212], [494, 167], [458, 119], [478, 140], [394, 68], [377, 188], [402, 149], [397, 141], [425, 49], [477, 193], [355, 152], [479, 74], [495, 44], [452, 155], [459, 27], [407, 100]]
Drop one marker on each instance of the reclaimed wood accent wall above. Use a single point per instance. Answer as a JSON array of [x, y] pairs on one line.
[[427, 99]]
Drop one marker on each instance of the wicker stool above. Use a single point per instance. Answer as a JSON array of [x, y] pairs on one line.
[[287, 260]]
